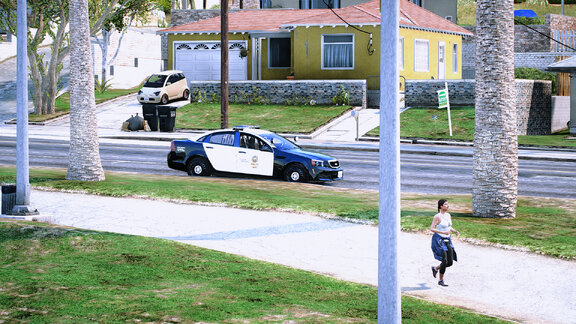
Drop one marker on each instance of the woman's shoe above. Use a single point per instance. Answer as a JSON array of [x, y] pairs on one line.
[[434, 271], [441, 283]]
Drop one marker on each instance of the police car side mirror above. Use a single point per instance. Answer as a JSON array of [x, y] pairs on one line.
[[295, 138]]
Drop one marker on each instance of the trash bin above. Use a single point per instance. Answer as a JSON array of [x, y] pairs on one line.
[[166, 118], [150, 114], [8, 198]]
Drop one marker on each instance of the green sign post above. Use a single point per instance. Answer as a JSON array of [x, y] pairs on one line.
[[444, 102]]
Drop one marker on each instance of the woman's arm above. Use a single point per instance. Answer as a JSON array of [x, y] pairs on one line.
[[454, 231]]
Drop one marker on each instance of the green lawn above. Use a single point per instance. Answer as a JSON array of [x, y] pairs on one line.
[[53, 274], [432, 123], [62, 103], [543, 225], [277, 118]]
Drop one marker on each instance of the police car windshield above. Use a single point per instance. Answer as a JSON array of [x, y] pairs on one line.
[[279, 141]]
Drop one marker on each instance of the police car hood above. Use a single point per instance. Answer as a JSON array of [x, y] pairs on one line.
[[311, 155]]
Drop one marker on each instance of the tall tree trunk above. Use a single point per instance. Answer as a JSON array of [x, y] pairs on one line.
[[84, 163], [495, 175]]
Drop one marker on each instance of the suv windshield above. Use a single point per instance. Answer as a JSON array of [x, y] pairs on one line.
[[155, 81], [279, 141]]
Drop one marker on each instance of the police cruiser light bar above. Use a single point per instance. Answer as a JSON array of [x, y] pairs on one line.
[[243, 127]]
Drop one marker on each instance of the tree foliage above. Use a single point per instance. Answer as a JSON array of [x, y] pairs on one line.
[[47, 20]]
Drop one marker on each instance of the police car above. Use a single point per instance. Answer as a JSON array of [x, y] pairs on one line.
[[250, 150]]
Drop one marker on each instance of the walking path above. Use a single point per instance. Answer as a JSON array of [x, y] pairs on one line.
[[514, 285]]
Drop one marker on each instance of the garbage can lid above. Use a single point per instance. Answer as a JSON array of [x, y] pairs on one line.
[[8, 189]]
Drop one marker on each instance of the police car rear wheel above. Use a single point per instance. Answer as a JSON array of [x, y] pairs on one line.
[[295, 174], [199, 167]]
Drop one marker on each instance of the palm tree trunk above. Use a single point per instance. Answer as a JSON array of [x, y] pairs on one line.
[[84, 158], [495, 175]]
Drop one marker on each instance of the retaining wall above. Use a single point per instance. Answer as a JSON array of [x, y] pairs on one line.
[[285, 91]]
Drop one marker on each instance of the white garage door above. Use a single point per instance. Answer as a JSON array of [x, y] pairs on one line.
[[200, 61]]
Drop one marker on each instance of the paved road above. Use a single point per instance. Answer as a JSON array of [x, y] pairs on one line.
[[515, 285]]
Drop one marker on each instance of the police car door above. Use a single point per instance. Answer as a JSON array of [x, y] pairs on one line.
[[254, 156], [221, 152]]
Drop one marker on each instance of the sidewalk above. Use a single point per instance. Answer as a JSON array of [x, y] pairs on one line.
[[514, 285]]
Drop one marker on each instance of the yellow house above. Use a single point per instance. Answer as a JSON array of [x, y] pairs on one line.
[[320, 44]]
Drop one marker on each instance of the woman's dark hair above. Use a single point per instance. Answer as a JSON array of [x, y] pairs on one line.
[[441, 202]]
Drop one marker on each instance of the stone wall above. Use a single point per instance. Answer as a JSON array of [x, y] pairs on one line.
[[533, 100], [422, 93], [284, 91], [534, 107]]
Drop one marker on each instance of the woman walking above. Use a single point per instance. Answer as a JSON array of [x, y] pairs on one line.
[[441, 240]]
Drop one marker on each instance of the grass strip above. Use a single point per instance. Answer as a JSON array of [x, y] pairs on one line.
[[543, 225], [63, 275], [432, 123], [277, 118]]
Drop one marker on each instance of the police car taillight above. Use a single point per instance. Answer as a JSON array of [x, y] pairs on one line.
[[172, 147]]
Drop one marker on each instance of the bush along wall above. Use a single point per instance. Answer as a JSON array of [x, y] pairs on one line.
[[285, 92]]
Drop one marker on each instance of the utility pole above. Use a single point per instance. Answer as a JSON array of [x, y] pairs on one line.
[[22, 207], [224, 64], [389, 302]]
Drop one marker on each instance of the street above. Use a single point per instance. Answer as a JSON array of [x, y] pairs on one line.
[[420, 173]]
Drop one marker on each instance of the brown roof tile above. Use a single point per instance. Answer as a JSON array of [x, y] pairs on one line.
[[271, 20]]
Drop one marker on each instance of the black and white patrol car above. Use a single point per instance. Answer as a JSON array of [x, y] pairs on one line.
[[249, 150]]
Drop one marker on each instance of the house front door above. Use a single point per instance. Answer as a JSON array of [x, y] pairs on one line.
[[441, 60]]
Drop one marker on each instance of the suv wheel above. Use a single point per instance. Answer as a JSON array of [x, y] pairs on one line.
[[199, 167], [295, 173]]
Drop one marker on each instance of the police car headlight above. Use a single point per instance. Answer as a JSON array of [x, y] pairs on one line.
[[317, 163]]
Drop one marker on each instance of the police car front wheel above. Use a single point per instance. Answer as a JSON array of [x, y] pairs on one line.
[[295, 174], [199, 167]]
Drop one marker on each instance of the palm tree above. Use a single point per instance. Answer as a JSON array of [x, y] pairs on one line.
[[495, 176], [84, 158]]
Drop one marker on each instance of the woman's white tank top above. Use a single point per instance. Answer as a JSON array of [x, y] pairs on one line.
[[445, 224]]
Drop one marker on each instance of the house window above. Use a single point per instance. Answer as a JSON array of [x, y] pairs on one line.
[[401, 53], [455, 58], [279, 53], [111, 69], [421, 55], [135, 62], [319, 4], [338, 52], [265, 4]]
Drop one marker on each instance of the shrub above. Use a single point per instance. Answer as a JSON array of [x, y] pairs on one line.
[[535, 74], [528, 21], [101, 87], [342, 97]]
